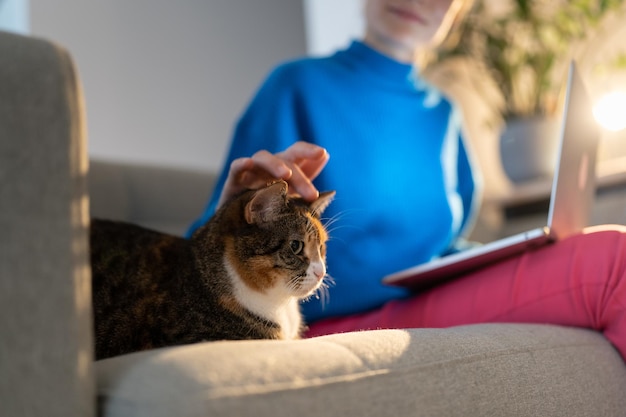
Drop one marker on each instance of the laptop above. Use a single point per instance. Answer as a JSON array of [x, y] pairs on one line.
[[571, 199]]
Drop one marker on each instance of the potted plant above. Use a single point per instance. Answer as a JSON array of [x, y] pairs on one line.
[[522, 48]]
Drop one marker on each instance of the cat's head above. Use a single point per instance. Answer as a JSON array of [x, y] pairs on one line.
[[279, 244]]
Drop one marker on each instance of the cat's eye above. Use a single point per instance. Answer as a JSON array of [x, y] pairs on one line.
[[296, 246]]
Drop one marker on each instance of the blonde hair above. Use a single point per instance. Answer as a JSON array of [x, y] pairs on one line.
[[455, 15], [457, 11]]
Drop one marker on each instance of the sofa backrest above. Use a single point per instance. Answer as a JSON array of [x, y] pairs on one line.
[[167, 199]]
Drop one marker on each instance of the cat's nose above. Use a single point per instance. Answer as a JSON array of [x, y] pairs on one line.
[[319, 270]]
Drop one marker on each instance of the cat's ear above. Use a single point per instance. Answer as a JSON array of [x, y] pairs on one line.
[[323, 201], [266, 203]]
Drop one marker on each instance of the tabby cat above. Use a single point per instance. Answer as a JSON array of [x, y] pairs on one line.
[[240, 276]]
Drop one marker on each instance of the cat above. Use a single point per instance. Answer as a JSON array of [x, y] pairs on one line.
[[240, 276]]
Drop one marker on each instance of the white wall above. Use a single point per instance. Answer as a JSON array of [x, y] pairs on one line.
[[332, 24], [164, 81], [14, 16]]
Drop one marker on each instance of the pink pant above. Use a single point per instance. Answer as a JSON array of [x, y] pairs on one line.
[[579, 281]]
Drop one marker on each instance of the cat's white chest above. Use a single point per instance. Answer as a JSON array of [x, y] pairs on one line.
[[290, 320], [273, 305]]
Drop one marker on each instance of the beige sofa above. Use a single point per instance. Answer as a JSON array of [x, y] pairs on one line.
[[46, 345]]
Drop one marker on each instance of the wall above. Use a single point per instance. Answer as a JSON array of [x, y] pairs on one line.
[[164, 81], [14, 16], [332, 24]]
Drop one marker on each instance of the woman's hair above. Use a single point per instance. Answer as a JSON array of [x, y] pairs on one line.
[[457, 12]]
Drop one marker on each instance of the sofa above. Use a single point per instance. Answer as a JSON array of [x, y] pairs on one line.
[[48, 191]]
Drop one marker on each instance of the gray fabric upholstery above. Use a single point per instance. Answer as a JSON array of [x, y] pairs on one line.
[[161, 198], [484, 370], [45, 316]]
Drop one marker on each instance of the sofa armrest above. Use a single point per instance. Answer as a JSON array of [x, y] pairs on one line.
[[45, 299]]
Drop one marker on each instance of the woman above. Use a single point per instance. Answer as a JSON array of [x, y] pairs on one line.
[[407, 190]]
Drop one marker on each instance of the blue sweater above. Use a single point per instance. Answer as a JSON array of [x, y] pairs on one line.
[[404, 182]]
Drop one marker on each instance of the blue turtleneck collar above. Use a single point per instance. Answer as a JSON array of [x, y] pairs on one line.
[[379, 63]]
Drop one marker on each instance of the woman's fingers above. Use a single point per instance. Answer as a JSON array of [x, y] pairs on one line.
[[309, 157], [298, 165], [271, 164], [236, 179], [306, 162]]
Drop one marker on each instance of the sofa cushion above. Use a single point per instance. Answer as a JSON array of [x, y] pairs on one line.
[[479, 370]]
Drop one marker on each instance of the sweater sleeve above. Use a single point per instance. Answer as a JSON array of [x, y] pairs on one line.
[[269, 122], [468, 191], [467, 186]]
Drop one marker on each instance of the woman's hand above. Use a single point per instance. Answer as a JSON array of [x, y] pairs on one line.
[[299, 164]]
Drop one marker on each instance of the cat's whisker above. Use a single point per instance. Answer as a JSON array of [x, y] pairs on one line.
[[336, 239], [329, 222], [310, 228], [322, 293], [328, 281], [295, 284]]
